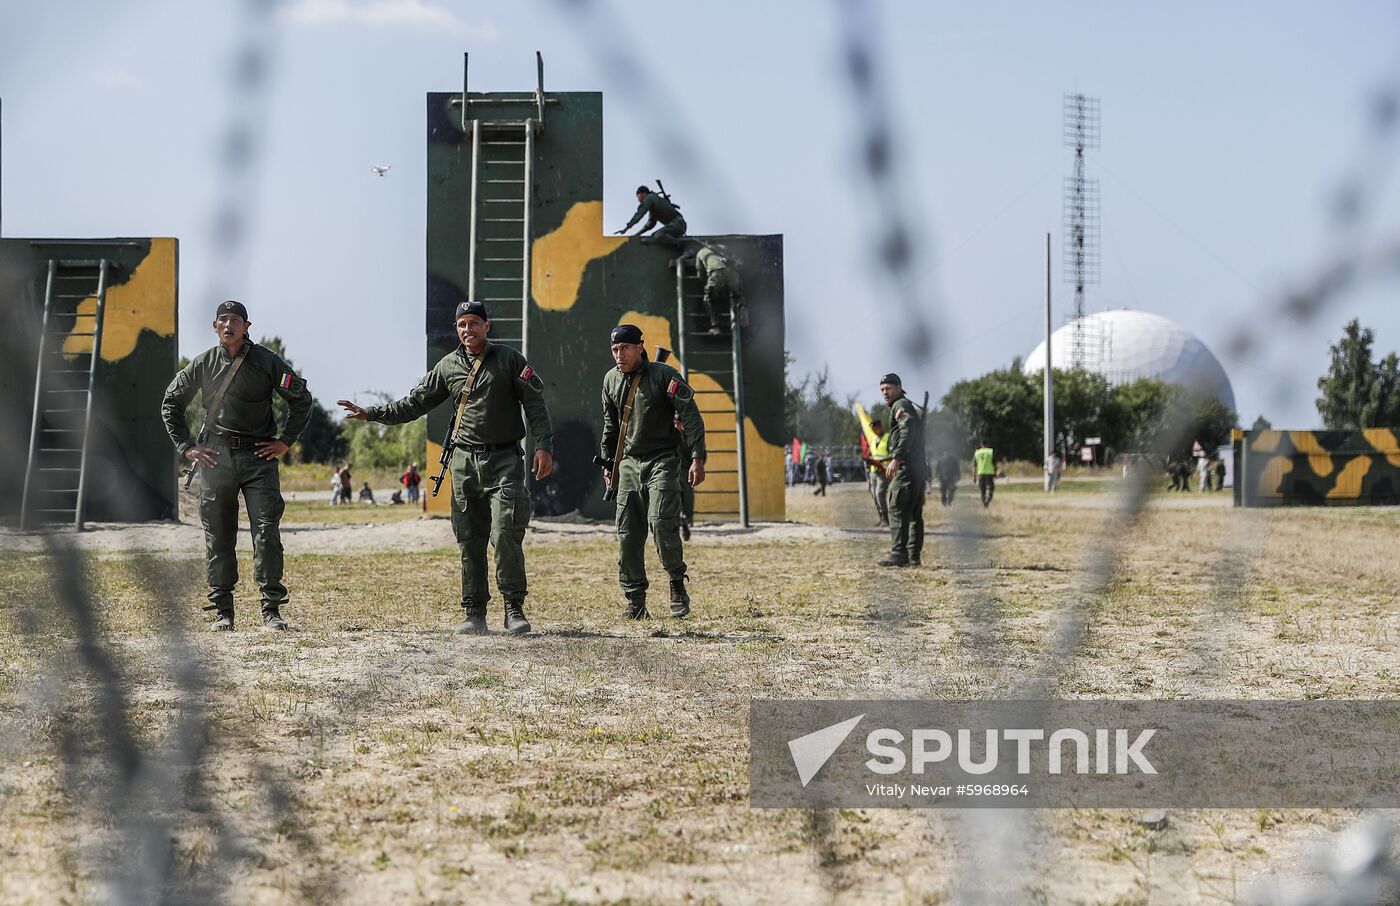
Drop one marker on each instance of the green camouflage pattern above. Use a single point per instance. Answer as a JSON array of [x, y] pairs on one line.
[[583, 283], [1317, 468], [132, 468]]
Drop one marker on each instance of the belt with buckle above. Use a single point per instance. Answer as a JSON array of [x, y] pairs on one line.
[[488, 448], [235, 441]]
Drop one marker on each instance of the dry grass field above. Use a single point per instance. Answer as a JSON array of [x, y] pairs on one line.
[[371, 756]]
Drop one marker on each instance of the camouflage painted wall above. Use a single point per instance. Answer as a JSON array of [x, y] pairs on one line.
[[584, 282], [132, 465], [1317, 468]]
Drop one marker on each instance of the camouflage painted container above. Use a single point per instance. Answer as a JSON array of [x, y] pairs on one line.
[[555, 285], [1317, 468], [131, 466]]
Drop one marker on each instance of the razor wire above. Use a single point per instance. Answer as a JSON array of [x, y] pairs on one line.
[[149, 789], [143, 792]]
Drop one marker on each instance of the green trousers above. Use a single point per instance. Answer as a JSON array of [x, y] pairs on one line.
[[721, 284], [648, 495], [906, 503], [241, 472], [489, 503], [671, 233]]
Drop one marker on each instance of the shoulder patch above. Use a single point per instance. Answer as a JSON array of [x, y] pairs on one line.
[[679, 389], [527, 376], [286, 380]]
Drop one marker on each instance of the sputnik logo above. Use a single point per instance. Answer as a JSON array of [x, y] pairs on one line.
[[811, 752]]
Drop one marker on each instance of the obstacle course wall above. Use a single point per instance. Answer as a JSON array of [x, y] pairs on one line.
[[1317, 468], [132, 469], [583, 283]]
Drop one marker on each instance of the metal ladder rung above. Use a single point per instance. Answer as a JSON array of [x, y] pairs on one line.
[[504, 220], [504, 182], [85, 334], [506, 260], [60, 450]]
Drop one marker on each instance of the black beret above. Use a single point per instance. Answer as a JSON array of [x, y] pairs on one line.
[[471, 308], [627, 333], [231, 308], [892, 378]]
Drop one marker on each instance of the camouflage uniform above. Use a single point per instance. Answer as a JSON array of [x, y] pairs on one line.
[[658, 210], [244, 418], [721, 281], [648, 484], [489, 500], [906, 490]]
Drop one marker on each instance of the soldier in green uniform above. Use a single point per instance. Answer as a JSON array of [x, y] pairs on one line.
[[237, 453], [907, 471], [489, 384], [648, 479], [657, 210], [683, 459], [721, 282]]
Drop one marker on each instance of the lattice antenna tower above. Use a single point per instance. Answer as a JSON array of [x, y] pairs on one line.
[[1081, 202]]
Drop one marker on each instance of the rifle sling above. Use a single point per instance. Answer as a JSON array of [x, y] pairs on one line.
[[467, 391], [217, 400], [623, 420]]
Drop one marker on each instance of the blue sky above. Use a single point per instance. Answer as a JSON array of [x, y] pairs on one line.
[[1227, 129]]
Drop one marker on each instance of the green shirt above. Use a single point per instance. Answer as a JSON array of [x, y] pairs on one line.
[[906, 436], [661, 396], [657, 210], [246, 409], [984, 461], [505, 385], [707, 259]]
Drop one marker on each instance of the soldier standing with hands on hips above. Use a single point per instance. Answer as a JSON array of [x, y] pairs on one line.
[[641, 399], [236, 452], [489, 385]]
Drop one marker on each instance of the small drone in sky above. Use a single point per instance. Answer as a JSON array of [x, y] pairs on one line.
[[380, 170]]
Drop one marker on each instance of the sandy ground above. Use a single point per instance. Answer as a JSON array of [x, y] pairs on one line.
[[372, 756]]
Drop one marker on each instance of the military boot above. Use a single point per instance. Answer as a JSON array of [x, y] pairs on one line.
[[272, 620], [475, 622], [516, 624], [680, 599], [637, 606], [223, 621], [893, 560]]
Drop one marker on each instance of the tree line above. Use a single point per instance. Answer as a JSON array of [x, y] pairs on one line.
[[328, 438]]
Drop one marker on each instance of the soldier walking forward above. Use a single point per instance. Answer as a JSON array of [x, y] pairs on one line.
[[641, 399], [489, 385], [236, 453], [908, 473]]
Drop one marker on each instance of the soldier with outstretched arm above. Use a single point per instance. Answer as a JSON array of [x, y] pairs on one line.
[[236, 453], [641, 400], [657, 209], [489, 386]]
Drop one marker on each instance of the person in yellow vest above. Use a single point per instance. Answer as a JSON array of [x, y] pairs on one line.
[[879, 481], [984, 465]]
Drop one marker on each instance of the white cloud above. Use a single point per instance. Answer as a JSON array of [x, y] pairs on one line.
[[119, 79], [384, 14]]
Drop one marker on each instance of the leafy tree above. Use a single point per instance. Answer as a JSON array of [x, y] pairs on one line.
[[1004, 406], [1356, 392], [815, 415], [376, 446], [1261, 424]]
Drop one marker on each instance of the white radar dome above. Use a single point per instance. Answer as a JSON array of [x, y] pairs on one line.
[[1126, 345]]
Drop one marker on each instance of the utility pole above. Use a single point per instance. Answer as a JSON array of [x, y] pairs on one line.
[[1049, 370]]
